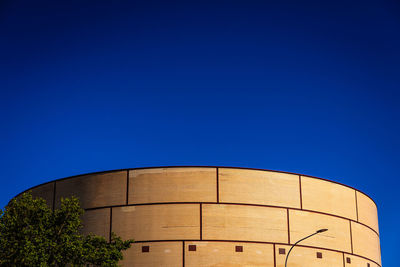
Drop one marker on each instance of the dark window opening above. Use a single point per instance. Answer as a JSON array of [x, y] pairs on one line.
[[319, 255], [282, 251], [239, 249], [192, 247], [145, 249]]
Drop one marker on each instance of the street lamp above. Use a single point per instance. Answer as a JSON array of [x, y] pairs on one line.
[[317, 232]]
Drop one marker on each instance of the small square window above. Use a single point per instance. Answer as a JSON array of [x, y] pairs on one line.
[[145, 249], [282, 251], [239, 249], [192, 247], [319, 255], [348, 260]]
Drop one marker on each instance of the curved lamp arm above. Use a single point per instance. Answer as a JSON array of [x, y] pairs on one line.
[[317, 232]]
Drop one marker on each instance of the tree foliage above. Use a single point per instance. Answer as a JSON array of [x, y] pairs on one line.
[[32, 234]]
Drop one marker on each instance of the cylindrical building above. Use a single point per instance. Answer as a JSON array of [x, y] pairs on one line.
[[224, 216]]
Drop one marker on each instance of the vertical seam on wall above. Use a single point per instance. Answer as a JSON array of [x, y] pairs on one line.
[[201, 221], [183, 253], [217, 185], [355, 192], [288, 227], [127, 186], [351, 238], [274, 256], [110, 224], [301, 195], [54, 195], [344, 263]]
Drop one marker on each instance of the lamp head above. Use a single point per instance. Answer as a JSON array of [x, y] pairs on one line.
[[322, 230]]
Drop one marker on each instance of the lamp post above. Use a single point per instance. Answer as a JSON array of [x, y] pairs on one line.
[[317, 232]]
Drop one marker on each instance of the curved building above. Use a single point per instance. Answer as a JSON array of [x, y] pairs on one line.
[[223, 216]]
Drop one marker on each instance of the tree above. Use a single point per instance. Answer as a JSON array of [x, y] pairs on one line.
[[32, 234]]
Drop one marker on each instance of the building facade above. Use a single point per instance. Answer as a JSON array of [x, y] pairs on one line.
[[223, 216]]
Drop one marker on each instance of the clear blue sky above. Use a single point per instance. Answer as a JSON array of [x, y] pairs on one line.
[[299, 86]]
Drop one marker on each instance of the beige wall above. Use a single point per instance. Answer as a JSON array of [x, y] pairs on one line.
[[303, 223], [239, 222], [357, 261], [323, 196], [365, 242], [172, 185], [221, 254], [95, 190], [307, 257], [165, 254], [367, 211], [97, 222], [217, 209], [259, 187], [157, 222], [45, 191]]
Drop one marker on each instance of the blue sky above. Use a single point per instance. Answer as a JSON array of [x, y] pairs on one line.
[[310, 87]]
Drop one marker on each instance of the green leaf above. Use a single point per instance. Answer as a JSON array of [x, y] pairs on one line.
[[32, 234]]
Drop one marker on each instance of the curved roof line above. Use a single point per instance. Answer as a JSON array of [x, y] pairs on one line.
[[196, 166]]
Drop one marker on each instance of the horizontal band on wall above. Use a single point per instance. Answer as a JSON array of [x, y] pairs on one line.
[[241, 204], [254, 242], [228, 167]]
